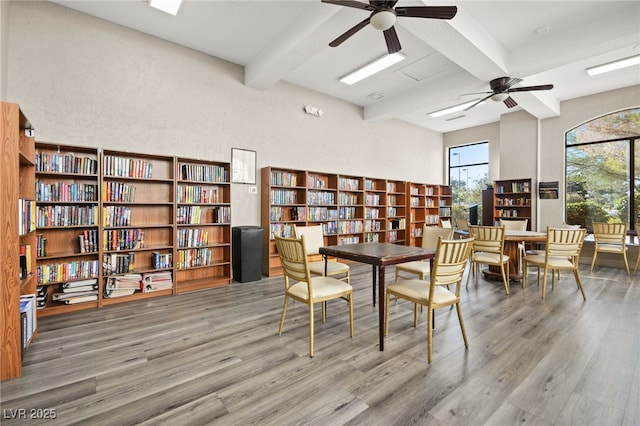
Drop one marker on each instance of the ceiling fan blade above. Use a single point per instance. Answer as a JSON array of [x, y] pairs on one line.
[[350, 3], [476, 93], [383, 3], [530, 88], [478, 102], [435, 12], [502, 84], [510, 103], [393, 43], [340, 39]]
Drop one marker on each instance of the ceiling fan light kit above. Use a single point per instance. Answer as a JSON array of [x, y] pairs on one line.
[[383, 18]]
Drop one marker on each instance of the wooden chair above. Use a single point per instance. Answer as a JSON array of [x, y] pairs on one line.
[[445, 223], [562, 252], [462, 224], [488, 249], [314, 239], [514, 224], [308, 289], [448, 268], [430, 237], [610, 238]]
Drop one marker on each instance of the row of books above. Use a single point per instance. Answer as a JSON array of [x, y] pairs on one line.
[[88, 241], [198, 194], [25, 261], [67, 271], [28, 319], [161, 260], [122, 239], [283, 179], [320, 197], [192, 237], [204, 172], [284, 196], [117, 263], [514, 187], [349, 184], [513, 202], [348, 199], [26, 216], [65, 163], [126, 167], [194, 257], [59, 215], [115, 191], [116, 216], [66, 192]]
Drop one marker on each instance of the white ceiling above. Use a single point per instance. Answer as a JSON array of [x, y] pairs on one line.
[[542, 42]]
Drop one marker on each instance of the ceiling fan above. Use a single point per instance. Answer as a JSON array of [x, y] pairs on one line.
[[383, 17], [502, 87]]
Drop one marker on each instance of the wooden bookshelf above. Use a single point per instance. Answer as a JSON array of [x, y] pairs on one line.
[[375, 213], [445, 202], [512, 200], [396, 212], [68, 219], [203, 239], [350, 209], [137, 229], [423, 205], [17, 194]]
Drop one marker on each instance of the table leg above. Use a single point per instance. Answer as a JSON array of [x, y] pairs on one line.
[[373, 273], [381, 305], [324, 256]]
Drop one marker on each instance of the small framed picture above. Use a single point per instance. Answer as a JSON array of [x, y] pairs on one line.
[[243, 166]]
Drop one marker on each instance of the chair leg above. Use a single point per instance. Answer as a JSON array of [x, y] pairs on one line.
[[471, 266], [311, 330], [544, 282], [415, 315], [576, 273], [324, 311], [464, 332], [635, 269], [524, 274], [386, 314], [429, 333], [350, 301], [626, 264], [595, 255], [284, 314], [504, 279]]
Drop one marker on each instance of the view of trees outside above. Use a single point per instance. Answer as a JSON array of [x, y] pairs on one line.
[[603, 170], [468, 176]]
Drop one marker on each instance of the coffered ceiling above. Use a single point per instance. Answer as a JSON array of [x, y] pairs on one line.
[[539, 41]]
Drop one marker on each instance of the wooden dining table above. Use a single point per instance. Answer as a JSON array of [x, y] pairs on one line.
[[379, 255]]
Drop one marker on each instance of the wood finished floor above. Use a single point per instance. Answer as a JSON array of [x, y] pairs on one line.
[[214, 357]]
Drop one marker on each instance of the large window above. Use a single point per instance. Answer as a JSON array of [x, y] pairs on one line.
[[603, 170], [468, 176]]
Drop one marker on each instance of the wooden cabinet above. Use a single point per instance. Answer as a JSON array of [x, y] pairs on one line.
[[67, 220], [512, 200], [203, 228], [17, 208]]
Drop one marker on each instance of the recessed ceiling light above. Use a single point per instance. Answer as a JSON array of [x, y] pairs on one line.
[[168, 6], [615, 65], [375, 96], [455, 108], [372, 67]]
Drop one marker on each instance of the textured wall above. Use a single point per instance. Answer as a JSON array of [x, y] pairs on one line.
[[84, 81]]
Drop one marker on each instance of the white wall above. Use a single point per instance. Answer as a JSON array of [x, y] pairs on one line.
[[87, 82]]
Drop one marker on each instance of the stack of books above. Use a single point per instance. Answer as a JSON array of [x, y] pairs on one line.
[[122, 285], [154, 281], [73, 292]]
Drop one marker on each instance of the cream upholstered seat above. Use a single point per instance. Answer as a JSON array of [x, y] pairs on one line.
[[308, 289], [430, 236], [314, 239], [488, 249], [610, 238], [562, 252], [448, 269], [541, 252]]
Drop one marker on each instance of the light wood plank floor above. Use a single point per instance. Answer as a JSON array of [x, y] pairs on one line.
[[214, 357]]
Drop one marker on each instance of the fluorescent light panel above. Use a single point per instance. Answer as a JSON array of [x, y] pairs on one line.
[[168, 6], [455, 108], [615, 65], [372, 68]]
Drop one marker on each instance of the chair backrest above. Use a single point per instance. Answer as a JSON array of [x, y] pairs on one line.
[[449, 263], [565, 242], [293, 258], [445, 223], [610, 233], [313, 237], [430, 235], [514, 224], [462, 224], [489, 239]]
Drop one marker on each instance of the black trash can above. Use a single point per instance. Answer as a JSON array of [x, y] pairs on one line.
[[247, 253]]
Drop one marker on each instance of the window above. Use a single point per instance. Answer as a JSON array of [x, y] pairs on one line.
[[468, 176], [603, 170]]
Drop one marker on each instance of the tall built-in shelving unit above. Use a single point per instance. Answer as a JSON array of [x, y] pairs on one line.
[[68, 226], [445, 202], [18, 236], [351, 209], [203, 208], [512, 200]]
